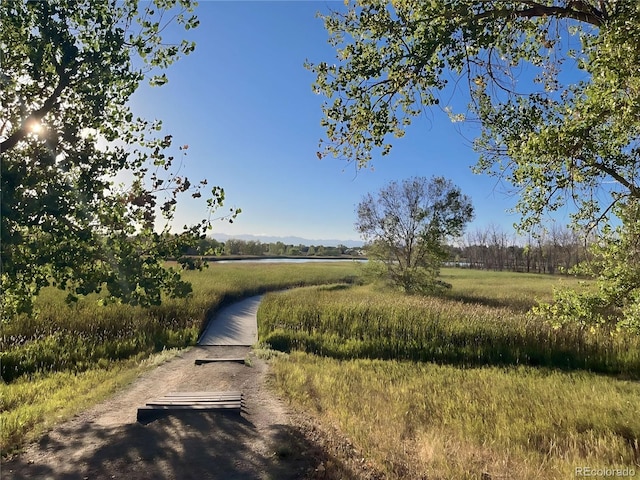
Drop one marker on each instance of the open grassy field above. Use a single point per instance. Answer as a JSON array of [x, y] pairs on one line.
[[66, 357], [463, 386]]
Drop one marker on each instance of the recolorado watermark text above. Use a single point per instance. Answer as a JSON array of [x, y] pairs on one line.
[[605, 472]]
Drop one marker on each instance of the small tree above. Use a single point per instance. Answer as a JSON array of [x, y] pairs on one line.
[[406, 225]]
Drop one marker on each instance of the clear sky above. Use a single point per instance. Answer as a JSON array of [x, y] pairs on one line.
[[243, 103]]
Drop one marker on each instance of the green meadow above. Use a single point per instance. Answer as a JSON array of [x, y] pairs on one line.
[[425, 420], [467, 385], [68, 357]]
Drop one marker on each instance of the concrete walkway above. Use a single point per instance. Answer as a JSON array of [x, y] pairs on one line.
[[235, 324]]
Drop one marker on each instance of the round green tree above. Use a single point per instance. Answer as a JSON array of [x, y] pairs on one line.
[[407, 224]]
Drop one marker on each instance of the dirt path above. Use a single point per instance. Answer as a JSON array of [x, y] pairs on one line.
[[107, 442], [267, 441]]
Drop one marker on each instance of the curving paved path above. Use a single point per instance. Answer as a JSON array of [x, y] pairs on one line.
[[106, 442], [234, 325]]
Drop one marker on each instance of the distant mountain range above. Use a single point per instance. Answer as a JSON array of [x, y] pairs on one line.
[[223, 237]]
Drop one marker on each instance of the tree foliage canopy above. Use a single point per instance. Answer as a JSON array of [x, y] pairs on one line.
[[407, 224], [66, 130], [615, 302], [554, 86]]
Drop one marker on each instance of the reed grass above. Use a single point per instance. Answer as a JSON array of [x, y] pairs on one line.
[[362, 322], [423, 420], [66, 357]]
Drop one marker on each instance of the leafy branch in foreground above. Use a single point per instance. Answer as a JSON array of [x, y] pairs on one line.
[[615, 304], [557, 133], [553, 85], [67, 133]]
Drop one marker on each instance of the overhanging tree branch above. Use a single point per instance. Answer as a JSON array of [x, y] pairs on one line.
[[633, 189], [577, 10], [35, 116]]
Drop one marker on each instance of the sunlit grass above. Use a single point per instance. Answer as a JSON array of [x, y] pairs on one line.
[[517, 291], [31, 405], [422, 420], [362, 322], [463, 386], [68, 356]]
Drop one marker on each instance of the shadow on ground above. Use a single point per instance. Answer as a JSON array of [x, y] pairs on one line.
[[187, 445]]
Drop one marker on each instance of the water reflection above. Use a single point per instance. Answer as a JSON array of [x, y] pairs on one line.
[[291, 260]]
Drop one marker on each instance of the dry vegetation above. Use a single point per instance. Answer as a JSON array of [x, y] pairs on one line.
[[461, 386], [466, 386], [63, 359]]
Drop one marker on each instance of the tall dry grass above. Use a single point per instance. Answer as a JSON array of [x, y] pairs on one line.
[[423, 420], [66, 357], [464, 386], [361, 322]]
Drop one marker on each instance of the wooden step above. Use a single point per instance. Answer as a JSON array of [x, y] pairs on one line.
[[201, 361], [194, 406], [204, 394], [194, 401], [200, 401]]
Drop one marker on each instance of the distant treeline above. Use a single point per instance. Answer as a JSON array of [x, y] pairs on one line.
[[491, 248], [210, 246]]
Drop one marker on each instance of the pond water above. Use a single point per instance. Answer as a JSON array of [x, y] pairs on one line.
[[291, 260]]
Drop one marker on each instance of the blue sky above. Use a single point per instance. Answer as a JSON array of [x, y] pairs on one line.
[[243, 103]]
